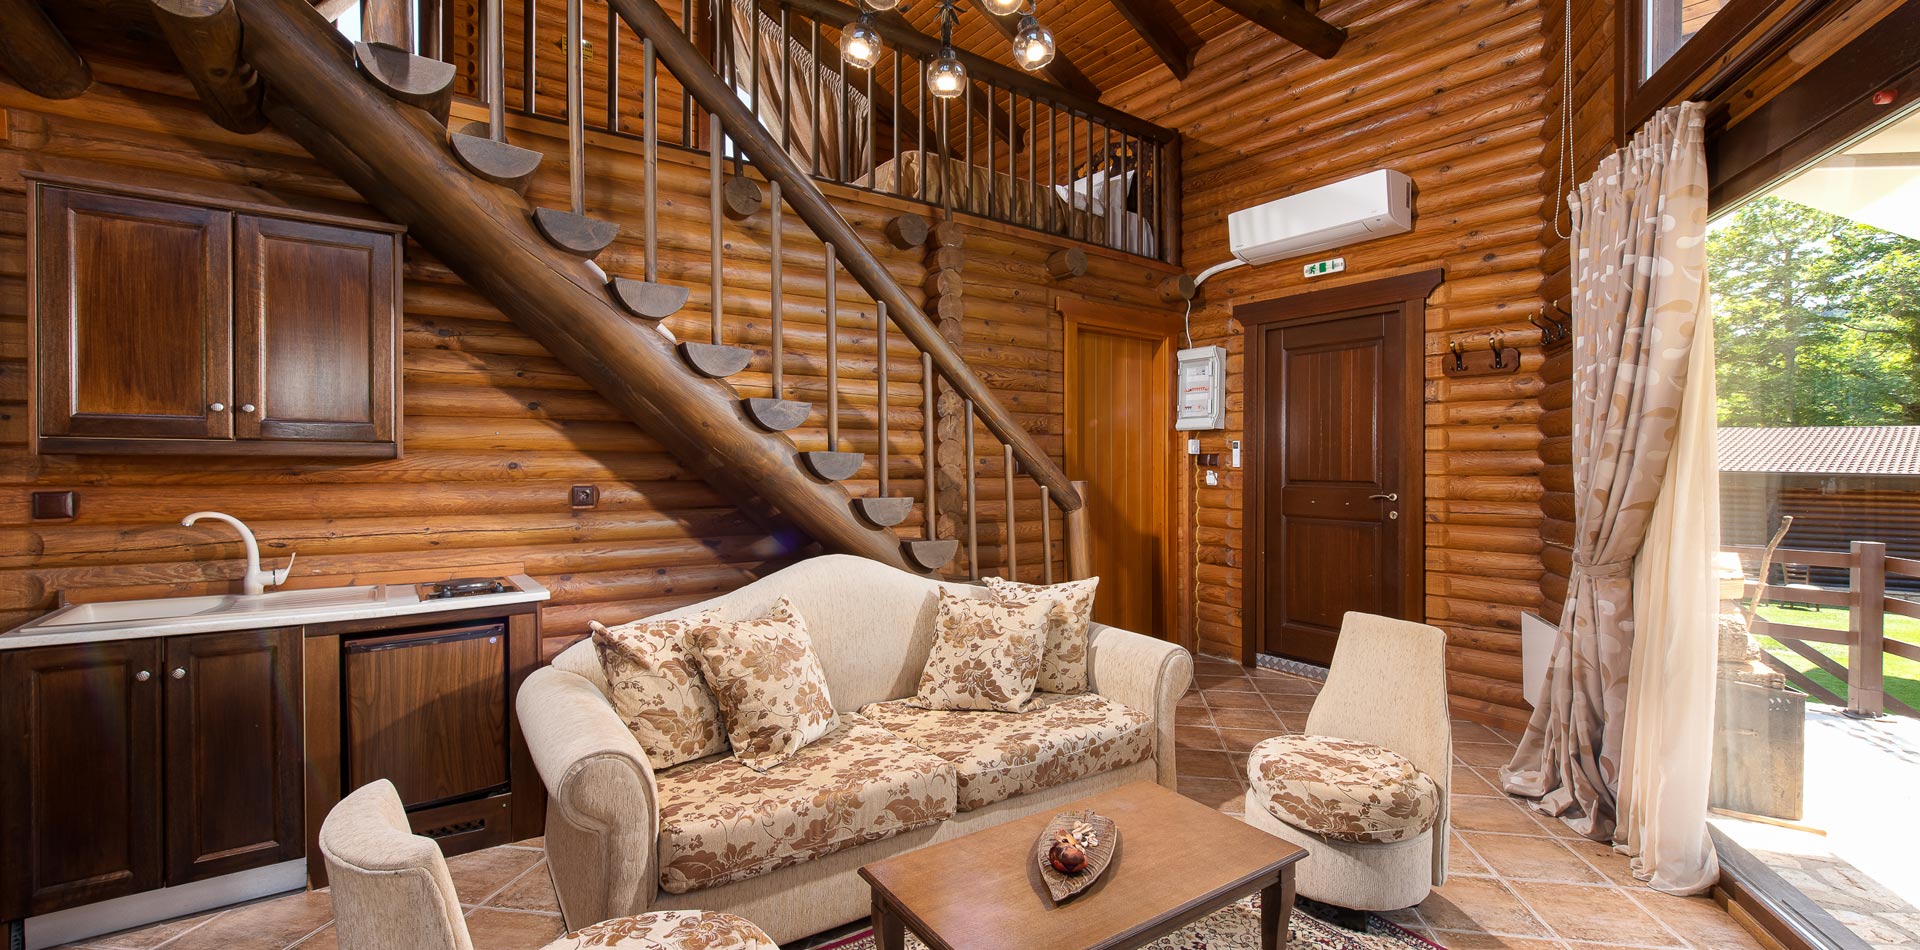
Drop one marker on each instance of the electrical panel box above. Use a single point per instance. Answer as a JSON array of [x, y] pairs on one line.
[[1202, 382]]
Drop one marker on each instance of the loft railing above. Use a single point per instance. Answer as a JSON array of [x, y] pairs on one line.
[[1013, 149], [1032, 487]]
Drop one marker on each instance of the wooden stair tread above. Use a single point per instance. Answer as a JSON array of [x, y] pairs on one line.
[[575, 233], [833, 466], [883, 512], [414, 80], [777, 415], [930, 555], [649, 300], [507, 165], [716, 360]]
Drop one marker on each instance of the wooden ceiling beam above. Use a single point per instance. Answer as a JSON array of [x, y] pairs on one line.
[[36, 55], [1164, 31], [1061, 70], [1291, 21], [205, 37]]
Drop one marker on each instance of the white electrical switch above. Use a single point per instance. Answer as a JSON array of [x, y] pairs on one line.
[[1193, 446], [1213, 477], [1236, 452]]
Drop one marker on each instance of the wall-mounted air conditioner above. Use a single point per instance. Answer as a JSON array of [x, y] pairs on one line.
[[1373, 205]]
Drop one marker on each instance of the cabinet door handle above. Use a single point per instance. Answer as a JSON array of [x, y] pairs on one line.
[[246, 407], [218, 407], [143, 676], [179, 673]]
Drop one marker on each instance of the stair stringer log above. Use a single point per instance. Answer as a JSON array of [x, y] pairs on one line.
[[396, 157]]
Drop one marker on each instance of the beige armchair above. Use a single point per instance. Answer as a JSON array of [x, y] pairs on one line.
[[1364, 790], [391, 891]]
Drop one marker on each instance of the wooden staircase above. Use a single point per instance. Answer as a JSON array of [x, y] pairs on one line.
[[377, 114]]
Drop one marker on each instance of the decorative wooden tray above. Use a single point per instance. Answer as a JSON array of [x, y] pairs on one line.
[[1063, 886]]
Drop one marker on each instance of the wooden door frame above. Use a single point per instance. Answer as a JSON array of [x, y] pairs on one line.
[[1076, 311], [1408, 293]]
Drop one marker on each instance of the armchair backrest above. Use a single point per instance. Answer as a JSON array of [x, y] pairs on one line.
[[391, 890], [1387, 685]]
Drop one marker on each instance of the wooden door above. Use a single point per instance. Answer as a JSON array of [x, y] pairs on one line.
[[314, 332], [133, 317], [1120, 441], [80, 781], [234, 773], [428, 710], [1334, 424]]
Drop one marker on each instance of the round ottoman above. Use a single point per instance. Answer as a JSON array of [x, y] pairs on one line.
[[668, 930], [1365, 815]]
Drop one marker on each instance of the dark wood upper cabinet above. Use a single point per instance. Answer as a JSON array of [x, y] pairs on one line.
[[166, 324], [80, 799], [234, 780], [127, 344]]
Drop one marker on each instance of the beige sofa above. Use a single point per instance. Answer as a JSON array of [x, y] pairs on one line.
[[782, 848]]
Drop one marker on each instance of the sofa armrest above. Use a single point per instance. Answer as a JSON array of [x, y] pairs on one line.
[[1142, 673], [603, 812]]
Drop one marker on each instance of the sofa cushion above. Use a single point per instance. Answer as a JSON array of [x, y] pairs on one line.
[[1063, 661], [721, 821], [999, 755], [769, 684], [668, 930], [655, 685], [986, 654], [1343, 789]]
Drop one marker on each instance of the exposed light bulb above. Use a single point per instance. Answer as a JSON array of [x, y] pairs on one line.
[[882, 4], [1002, 7], [946, 75], [1032, 43], [860, 43]]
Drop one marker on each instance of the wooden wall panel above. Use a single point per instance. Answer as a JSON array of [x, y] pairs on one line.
[[1456, 96]]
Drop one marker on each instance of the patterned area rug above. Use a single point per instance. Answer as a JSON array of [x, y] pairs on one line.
[[1238, 928]]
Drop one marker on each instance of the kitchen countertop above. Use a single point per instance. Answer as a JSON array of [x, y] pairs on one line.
[[398, 600]]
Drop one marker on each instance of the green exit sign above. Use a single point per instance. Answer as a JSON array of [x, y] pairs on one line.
[[1323, 268]]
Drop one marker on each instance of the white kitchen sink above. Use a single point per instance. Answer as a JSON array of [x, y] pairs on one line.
[[136, 612]]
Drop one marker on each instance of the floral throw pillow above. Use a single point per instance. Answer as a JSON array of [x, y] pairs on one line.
[[657, 688], [769, 684], [1063, 665], [986, 654]]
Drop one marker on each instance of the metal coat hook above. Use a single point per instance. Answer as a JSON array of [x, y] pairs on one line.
[[1459, 361], [1499, 358]]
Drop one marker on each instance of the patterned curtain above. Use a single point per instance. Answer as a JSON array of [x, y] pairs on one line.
[[1639, 277]]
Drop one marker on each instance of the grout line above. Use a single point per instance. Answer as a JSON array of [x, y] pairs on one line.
[[210, 919], [487, 901], [311, 934]]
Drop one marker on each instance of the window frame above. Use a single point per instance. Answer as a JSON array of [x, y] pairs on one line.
[[1726, 47]]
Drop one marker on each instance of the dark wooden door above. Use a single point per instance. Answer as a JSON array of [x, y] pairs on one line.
[[79, 774], [134, 317], [428, 711], [1336, 456], [314, 332], [234, 765], [1120, 442]]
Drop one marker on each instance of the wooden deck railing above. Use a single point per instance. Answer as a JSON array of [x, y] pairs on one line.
[[1867, 604]]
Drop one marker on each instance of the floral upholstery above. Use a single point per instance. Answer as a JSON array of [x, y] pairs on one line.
[[721, 821], [999, 755], [1343, 789], [769, 684], [1063, 660], [986, 654], [668, 930], [655, 685]]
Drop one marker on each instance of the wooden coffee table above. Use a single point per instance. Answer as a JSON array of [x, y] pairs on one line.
[[1177, 862]]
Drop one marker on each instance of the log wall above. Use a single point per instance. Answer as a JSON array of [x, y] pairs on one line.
[[1455, 95]]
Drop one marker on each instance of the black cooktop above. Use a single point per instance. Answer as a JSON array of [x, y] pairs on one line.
[[464, 587]]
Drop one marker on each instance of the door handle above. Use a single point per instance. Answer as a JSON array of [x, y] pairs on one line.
[[1389, 496]]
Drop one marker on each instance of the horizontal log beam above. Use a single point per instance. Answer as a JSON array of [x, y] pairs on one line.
[[1290, 21], [36, 55], [1164, 30], [205, 38]]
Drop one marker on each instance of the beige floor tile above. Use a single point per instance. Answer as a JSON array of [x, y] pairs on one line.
[[1228, 699], [1537, 859], [478, 874], [1700, 921], [1243, 740], [1480, 904], [1196, 737], [1594, 914], [326, 938], [1198, 763], [1212, 792], [1461, 860], [511, 930], [1270, 682], [1290, 702], [1466, 781], [271, 924], [1467, 940], [1614, 865], [1490, 755], [1210, 682], [148, 937], [1499, 815], [1246, 719], [532, 890], [1192, 699]]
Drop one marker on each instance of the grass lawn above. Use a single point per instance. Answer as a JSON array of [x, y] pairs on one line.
[[1902, 675]]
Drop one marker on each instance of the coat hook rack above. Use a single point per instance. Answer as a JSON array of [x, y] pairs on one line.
[[1495, 360], [1554, 330]]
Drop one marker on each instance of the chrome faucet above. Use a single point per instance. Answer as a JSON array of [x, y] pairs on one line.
[[256, 582]]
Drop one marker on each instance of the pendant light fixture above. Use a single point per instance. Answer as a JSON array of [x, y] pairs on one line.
[[860, 43], [1032, 43], [946, 75], [1002, 7]]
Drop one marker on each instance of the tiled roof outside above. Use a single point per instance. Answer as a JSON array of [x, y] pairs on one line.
[[1822, 450]]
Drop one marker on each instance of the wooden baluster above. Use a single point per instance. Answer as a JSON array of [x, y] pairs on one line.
[[650, 153], [920, 109], [1033, 148], [840, 138], [1013, 178], [846, 174], [899, 166], [1013, 539], [880, 324], [966, 164], [1046, 528], [1053, 162], [1073, 196], [786, 87], [529, 61], [931, 446], [753, 57], [613, 70], [814, 104], [973, 502], [776, 306], [716, 288], [1079, 542], [433, 20], [496, 66], [833, 348], [686, 95], [987, 113], [576, 111]]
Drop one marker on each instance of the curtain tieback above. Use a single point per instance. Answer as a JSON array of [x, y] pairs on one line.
[[1603, 568]]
